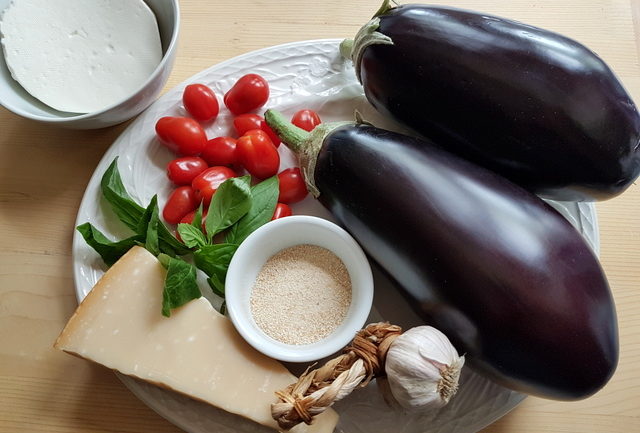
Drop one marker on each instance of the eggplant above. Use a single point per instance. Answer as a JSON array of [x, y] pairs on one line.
[[527, 103], [508, 279]]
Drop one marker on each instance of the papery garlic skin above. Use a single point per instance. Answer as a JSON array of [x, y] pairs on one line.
[[423, 368]]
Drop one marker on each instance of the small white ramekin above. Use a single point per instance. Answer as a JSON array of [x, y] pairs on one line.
[[275, 236]]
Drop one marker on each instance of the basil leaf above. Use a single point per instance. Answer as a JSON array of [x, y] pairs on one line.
[[192, 236], [162, 239], [143, 222], [231, 202], [214, 261], [212, 258], [169, 244], [109, 251], [217, 284], [180, 285], [264, 200], [164, 259], [152, 243], [197, 218], [132, 214], [113, 190]]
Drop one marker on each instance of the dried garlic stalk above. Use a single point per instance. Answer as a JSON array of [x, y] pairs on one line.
[[318, 389], [418, 369]]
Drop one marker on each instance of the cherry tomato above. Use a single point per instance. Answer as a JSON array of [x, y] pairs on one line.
[[220, 151], [306, 119], [247, 122], [181, 171], [181, 201], [292, 186], [182, 135], [282, 210], [272, 135], [200, 101], [257, 154], [248, 93], [206, 183]]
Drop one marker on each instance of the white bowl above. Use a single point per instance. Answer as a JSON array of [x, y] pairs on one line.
[[15, 98], [276, 236]]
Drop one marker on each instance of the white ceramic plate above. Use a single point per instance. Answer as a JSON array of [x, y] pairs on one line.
[[308, 74]]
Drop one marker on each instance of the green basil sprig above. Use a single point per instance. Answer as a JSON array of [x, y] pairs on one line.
[[132, 214], [214, 261], [264, 200], [241, 209], [180, 284], [236, 207], [192, 236], [231, 202], [110, 251]]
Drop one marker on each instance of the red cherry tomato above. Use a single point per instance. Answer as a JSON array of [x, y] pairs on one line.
[[248, 93], [206, 183], [257, 154], [181, 171], [181, 201], [247, 122], [220, 151], [292, 186], [272, 135], [306, 119], [200, 101], [182, 135], [282, 210]]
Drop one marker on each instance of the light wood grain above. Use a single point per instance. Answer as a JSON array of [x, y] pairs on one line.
[[43, 173]]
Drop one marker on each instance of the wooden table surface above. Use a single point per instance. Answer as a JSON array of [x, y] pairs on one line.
[[44, 172]]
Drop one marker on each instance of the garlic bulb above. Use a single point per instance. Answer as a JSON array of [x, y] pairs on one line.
[[423, 368]]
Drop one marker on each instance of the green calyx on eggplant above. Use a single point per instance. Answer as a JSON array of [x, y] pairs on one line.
[[527, 103], [510, 281]]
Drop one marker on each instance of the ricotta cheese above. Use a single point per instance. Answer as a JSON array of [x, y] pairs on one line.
[[197, 351], [80, 56]]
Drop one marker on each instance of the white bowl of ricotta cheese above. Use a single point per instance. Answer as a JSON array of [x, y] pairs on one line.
[[85, 65]]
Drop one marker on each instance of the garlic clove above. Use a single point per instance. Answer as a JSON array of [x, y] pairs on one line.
[[385, 390], [423, 368]]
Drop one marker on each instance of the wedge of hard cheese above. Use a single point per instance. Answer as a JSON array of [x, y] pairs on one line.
[[196, 351]]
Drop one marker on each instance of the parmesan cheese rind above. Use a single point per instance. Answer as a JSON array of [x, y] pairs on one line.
[[196, 352]]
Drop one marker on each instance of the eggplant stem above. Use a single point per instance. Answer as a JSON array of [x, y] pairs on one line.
[[384, 8], [366, 36], [292, 136], [306, 145], [346, 48]]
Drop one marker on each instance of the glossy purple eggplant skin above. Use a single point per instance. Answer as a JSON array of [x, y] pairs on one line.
[[500, 272], [529, 104]]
